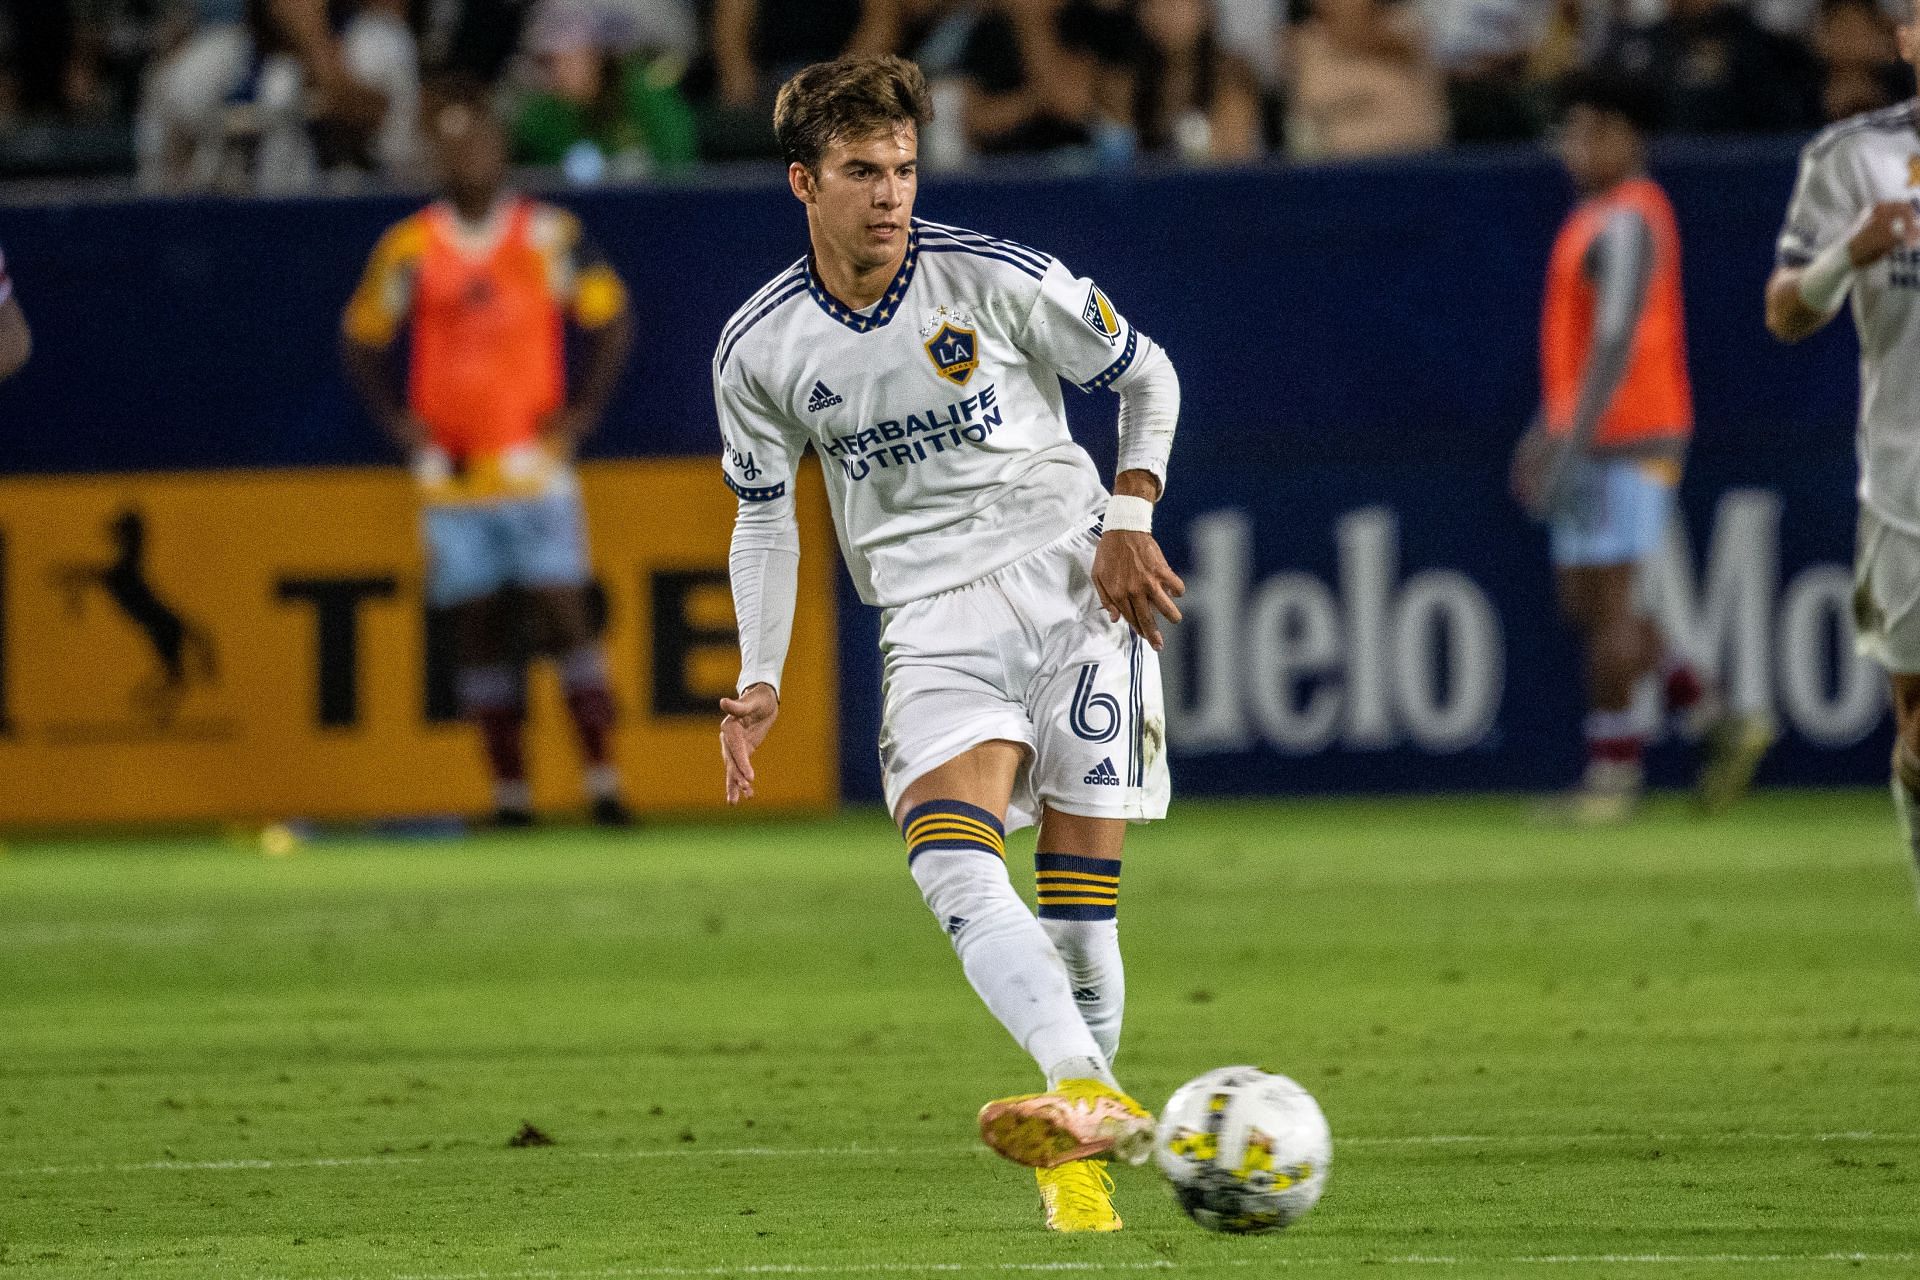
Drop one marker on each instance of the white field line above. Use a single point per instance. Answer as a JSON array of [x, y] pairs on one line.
[[1269, 1262], [691, 1151]]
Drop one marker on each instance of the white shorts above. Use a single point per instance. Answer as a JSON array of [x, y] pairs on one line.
[[1027, 655], [1886, 595]]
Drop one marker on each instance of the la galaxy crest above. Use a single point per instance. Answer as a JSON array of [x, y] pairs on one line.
[[1100, 315], [953, 344]]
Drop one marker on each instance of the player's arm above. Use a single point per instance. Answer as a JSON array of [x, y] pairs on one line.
[[1832, 230], [368, 328], [605, 321], [763, 569], [733, 24], [1072, 328], [1620, 266], [1130, 572], [303, 24], [16, 339], [1802, 299]]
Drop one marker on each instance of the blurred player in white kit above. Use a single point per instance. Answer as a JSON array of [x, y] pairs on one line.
[[1019, 631], [1854, 226]]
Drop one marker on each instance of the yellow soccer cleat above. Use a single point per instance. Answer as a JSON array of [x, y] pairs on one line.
[[1734, 747], [1078, 1196], [1078, 1119]]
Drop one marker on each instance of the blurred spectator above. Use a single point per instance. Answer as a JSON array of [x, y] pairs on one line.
[[1250, 30], [378, 50], [757, 44], [471, 39], [1485, 49], [232, 82], [1041, 75], [1363, 82], [606, 107], [49, 76], [1190, 96], [1861, 68], [270, 99], [935, 34], [1715, 70]]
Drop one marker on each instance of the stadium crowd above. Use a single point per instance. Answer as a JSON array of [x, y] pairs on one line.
[[289, 95]]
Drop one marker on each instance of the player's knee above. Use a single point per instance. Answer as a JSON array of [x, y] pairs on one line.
[[957, 854], [1907, 742], [1618, 648]]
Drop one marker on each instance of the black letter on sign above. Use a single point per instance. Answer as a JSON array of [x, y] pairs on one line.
[[443, 668], [677, 637], [336, 616]]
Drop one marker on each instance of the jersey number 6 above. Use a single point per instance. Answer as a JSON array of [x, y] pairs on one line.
[[1093, 716]]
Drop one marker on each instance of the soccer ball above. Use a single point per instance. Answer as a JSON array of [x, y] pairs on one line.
[[1247, 1151]]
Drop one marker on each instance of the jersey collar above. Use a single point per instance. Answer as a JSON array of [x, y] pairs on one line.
[[881, 312]]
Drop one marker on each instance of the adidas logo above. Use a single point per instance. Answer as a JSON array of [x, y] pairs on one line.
[[955, 924], [1086, 995], [1103, 775], [822, 398]]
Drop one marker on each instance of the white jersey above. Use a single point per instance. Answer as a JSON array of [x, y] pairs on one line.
[[1848, 169], [937, 412]]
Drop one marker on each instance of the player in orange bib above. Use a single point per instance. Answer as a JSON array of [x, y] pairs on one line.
[[1604, 456], [485, 283]]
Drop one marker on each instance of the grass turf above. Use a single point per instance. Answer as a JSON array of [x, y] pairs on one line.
[[1676, 1050]]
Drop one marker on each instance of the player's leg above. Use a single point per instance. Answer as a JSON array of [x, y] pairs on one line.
[[550, 561], [465, 574], [1612, 518], [954, 747], [1906, 759], [1618, 649], [1099, 762], [492, 684], [1886, 609], [1076, 871], [953, 818]]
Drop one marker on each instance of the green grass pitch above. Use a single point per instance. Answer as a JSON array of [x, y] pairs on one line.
[[1677, 1050]]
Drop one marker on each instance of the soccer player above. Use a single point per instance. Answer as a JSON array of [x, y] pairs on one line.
[[485, 280], [1601, 463], [16, 339], [1020, 602], [1854, 225]]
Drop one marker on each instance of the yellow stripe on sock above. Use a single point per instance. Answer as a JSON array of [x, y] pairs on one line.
[[1074, 877], [951, 821], [954, 818], [1049, 901], [924, 833]]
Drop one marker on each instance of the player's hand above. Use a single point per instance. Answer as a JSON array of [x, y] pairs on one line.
[[1889, 225], [565, 428], [1135, 582], [432, 468], [1534, 475], [743, 728]]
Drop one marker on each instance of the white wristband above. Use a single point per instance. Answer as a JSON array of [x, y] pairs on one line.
[[1824, 282], [1134, 515]]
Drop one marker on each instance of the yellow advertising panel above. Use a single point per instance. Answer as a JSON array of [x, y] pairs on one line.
[[255, 645]]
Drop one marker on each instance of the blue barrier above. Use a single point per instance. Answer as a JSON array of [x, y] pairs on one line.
[[1357, 349]]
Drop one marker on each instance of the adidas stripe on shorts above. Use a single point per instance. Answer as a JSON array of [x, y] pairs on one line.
[[1026, 654]]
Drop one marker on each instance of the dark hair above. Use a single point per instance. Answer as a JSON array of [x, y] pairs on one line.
[[847, 98], [1612, 94]]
